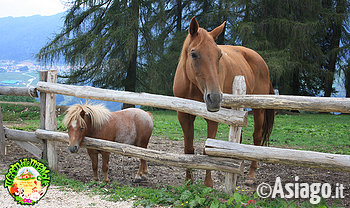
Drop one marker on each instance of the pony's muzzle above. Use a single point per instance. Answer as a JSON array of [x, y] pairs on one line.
[[213, 101], [73, 149]]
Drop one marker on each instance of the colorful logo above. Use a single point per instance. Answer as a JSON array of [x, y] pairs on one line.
[[27, 181]]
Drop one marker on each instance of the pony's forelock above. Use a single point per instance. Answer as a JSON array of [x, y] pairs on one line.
[[98, 114]]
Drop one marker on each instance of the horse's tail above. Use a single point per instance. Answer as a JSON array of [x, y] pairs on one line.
[[268, 122]]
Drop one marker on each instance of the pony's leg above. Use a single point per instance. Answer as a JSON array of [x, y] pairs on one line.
[[144, 168], [186, 122], [212, 128], [94, 162], [105, 161], [139, 176], [259, 117]]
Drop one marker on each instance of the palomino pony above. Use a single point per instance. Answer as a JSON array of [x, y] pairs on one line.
[[130, 126], [205, 71]]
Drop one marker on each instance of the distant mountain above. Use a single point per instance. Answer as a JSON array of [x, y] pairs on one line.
[[22, 37]]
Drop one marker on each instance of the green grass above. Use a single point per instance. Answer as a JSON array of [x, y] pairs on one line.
[[318, 132]]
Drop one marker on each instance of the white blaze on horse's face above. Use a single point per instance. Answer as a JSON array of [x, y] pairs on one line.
[[204, 56], [76, 134]]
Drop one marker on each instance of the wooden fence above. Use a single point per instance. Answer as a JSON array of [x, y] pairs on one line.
[[219, 156]]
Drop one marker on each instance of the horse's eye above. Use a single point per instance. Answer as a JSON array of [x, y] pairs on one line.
[[194, 55], [81, 128]]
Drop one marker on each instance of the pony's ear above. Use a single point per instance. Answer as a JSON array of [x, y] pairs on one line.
[[217, 31], [193, 26], [82, 113]]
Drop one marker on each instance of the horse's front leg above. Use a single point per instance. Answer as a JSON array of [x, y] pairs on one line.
[[186, 122], [105, 161], [259, 117], [212, 128], [94, 162]]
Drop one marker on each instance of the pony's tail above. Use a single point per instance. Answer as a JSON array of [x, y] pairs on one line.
[[268, 122], [149, 113]]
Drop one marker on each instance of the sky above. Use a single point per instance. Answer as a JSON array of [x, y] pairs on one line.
[[19, 8]]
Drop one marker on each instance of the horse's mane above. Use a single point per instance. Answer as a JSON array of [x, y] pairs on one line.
[[98, 114]]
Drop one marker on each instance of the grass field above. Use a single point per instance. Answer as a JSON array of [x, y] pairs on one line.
[[318, 132]]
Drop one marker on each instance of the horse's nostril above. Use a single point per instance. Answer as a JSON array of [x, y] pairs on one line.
[[208, 98]]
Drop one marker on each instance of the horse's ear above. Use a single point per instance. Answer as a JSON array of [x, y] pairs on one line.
[[194, 26], [217, 31]]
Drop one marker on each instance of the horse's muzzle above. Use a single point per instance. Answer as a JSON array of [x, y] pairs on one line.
[[73, 149], [213, 101]]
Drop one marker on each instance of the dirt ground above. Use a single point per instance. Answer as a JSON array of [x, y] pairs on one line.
[[122, 169]]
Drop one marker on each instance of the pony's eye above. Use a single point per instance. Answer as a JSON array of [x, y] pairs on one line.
[[81, 128], [220, 55]]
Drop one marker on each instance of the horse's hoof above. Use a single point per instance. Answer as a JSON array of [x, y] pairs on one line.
[[249, 181]]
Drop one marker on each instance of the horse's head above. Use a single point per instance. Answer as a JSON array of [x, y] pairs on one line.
[[76, 130], [203, 56]]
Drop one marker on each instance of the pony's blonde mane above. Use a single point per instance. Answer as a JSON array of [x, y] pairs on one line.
[[98, 114]]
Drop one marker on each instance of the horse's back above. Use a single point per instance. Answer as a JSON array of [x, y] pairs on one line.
[[251, 65]]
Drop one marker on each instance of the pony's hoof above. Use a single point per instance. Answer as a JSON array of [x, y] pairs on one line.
[[249, 181], [136, 180], [139, 180]]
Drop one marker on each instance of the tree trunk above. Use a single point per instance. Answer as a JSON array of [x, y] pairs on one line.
[[335, 41], [347, 81], [178, 15], [221, 18], [130, 81]]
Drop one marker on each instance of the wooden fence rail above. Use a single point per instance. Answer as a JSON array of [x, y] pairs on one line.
[[302, 158], [19, 91], [179, 160], [226, 116], [287, 102]]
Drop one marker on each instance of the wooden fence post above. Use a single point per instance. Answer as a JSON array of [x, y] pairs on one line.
[[2, 136], [238, 88], [43, 78], [48, 117]]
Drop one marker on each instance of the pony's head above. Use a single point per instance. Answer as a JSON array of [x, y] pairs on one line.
[[81, 119], [201, 56]]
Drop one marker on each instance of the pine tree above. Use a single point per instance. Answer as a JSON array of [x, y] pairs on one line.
[[99, 41]]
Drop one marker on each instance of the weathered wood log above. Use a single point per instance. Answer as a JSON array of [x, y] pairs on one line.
[[278, 155], [286, 102], [30, 147], [50, 119], [25, 140], [225, 116], [238, 88], [24, 136], [178, 160], [19, 91], [2, 137]]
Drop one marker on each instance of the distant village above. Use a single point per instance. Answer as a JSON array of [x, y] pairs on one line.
[[27, 66]]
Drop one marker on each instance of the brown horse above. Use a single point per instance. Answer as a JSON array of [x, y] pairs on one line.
[[205, 71], [130, 126]]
